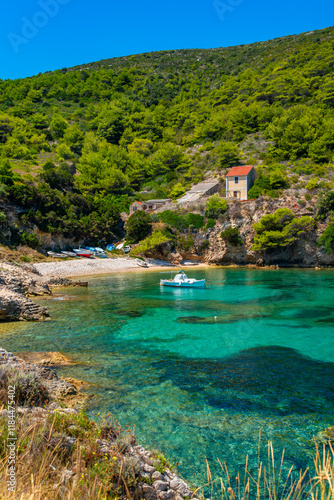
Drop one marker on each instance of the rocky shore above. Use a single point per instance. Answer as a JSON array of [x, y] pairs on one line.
[[20, 282], [153, 480]]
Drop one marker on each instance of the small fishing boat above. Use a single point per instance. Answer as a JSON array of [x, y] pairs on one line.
[[120, 246], [181, 280], [69, 254], [101, 255], [98, 252], [110, 248], [141, 263], [57, 255], [81, 252], [127, 249]]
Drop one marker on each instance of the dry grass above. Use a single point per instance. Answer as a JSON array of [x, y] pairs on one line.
[[272, 482], [44, 455]]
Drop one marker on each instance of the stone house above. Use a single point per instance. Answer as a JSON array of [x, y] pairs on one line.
[[147, 206], [239, 180]]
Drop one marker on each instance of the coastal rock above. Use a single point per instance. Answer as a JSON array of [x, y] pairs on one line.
[[180, 487], [160, 485], [149, 492], [157, 476], [16, 307], [166, 495], [23, 280]]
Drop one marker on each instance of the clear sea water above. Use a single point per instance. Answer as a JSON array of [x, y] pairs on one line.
[[200, 373]]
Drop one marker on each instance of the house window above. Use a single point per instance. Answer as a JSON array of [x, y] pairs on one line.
[[134, 209], [236, 180], [150, 206], [235, 194]]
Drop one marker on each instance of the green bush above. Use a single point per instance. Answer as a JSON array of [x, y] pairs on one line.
[[325, 204], [138, 226], [312, 184], [327, 239], [29, 239], [210, 223], [185, 243], [215, 207], [274, 222], [231, 235], [195, 220], [178, 221], [269, 185], [156, 238], [177, 191], [308, 197], [280, 229], [6, 173], [3, 219]]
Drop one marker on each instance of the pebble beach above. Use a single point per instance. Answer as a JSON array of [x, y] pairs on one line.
[[86, 267]]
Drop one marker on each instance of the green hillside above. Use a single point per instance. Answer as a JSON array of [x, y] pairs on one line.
[[79, 144]]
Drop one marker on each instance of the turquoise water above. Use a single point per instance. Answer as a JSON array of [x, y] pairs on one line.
[[200, 372]]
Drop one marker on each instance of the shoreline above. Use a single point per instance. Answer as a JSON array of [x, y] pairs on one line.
[[87, 267]]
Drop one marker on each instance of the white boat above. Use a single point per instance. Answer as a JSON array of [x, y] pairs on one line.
[[69, 254], [181, 280], [56, 255], [140, 263], [120, 246]]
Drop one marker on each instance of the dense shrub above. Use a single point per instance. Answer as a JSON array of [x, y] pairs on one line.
[[312, 184], [231, 235], [157, 238], [215, 207], [29, 239], [28, 388], [269, 184], [280, 230], [210, 223], [327, 239], [138, 226], [195, 220], [325, 205], [178, 221]]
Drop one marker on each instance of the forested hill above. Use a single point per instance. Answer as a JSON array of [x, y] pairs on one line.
[[78, 145]]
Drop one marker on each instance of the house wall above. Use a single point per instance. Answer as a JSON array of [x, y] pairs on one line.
[[134, 207], [251, 178], [211, 190], [241, 187]]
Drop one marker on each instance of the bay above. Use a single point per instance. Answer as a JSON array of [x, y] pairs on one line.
[[199, 373]]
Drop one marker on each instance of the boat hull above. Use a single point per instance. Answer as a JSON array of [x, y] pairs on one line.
[[182, 284]]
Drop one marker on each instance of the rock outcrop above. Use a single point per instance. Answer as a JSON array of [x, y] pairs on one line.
[[57, 388], [14, 306], [208, 246], [305, 253], [17, 284]]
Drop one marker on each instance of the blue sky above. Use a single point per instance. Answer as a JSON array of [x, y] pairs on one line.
[[42, 35]]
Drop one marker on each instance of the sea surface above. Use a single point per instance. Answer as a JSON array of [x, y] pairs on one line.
[[200, 374]]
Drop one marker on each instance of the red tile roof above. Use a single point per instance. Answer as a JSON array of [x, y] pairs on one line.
[[235, 171]]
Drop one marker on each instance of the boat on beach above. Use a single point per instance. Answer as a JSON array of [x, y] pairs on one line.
[[181, 280], [57, 255], [141, 263], [69, 254], [81, 252]]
